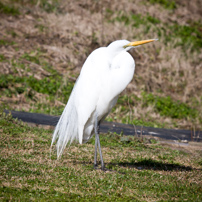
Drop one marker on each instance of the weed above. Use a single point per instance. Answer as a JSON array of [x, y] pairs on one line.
[[12, 33], [46, 108], [2, 57], [189, 35], [41, 27], [8, 9], [167, 107], [48, 6], [135, 19], [6, 43], [165, 3], [153, 20], [31, 57], [143, 122], [49, 86]]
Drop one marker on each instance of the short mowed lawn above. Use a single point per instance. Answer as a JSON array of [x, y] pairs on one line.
[[137, 169]]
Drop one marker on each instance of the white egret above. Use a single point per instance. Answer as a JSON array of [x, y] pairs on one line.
[[105, 74]]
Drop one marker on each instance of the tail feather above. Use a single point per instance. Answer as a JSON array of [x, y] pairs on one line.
[[66, 130]]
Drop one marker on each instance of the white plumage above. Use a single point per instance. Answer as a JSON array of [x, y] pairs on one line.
[[105, 74]]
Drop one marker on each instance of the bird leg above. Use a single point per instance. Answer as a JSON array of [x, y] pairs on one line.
[[95, 156], [97, 143]]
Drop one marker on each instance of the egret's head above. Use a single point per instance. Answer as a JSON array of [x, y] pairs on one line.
[[126, 45], [117, 45]]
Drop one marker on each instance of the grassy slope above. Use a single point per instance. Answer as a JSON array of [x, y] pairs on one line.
[[139, 170], [43, 46]]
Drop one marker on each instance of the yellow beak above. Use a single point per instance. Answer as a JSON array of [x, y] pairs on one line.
[[137, 43]]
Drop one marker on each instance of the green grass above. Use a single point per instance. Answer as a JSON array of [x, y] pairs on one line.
[[46, 108], [168, 107], [136, 20], [2, 57], [46, 86], [189, 36], [51, 86], [9, 9], [12, 7], [167, 4], [138, 171], [4, 42], [48, 6], [164, 106]]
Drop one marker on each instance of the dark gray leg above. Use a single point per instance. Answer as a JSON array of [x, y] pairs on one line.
[[97, 143], [95, 157]]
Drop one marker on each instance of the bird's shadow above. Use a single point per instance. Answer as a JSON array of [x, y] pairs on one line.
[[150, 164], [145, 164]]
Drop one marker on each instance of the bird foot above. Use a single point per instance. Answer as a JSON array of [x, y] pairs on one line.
[[95, 166], [102, 167]]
